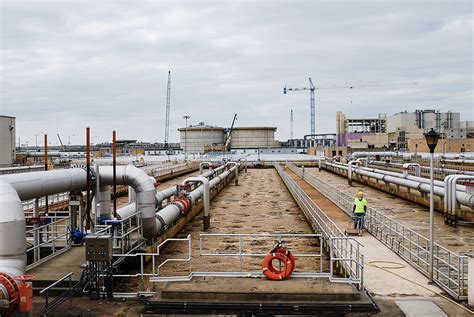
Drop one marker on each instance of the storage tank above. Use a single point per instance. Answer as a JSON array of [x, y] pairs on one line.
[[7, 140], [194, 138], [253, 137]]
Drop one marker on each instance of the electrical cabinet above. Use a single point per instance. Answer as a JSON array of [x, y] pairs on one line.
[[99, 248]]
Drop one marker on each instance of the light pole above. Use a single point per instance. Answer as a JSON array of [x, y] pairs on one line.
[[36, 143], [432, 138], [186, 117]]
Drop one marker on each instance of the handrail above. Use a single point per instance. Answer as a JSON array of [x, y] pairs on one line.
[[450, 268], [341, 247], [59, 300]]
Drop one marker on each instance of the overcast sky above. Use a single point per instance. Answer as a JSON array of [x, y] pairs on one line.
[[66, 65]]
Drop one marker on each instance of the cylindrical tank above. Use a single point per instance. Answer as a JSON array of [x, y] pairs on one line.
[[194, 139], [253, 137]]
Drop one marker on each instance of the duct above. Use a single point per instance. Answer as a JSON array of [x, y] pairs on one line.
[[166, 216], [104, 202], [462, 197], [144, 188], [12, 232], [39, 184], [206, 197], [17, 187], [411, 177], [349, 170], [452, 197], [160, 196], [427, 168], [236, 165], [41, 154], [321, 158], [204, 164], [370, 154]]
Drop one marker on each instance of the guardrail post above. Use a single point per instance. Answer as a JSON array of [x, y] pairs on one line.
[[470, 278]]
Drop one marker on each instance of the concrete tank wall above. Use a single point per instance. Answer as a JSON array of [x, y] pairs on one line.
[[7, 140], [253, 137], [199, 136]]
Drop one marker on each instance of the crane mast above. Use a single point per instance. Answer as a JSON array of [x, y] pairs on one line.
[[312, 101], [167, 120], [291, 125]]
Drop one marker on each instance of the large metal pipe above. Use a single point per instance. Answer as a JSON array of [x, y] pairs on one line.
[[236, 165], [144, 188], [206, 197], [398, 179], [17, 187], [425, 168], [166, 216]]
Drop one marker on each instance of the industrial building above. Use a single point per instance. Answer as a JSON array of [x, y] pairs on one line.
[[7, 140], [404, 131], [194, 138], [253, 137], [203, 138], [361, 132]]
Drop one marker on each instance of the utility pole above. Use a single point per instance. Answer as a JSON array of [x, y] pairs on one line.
[[167, 120], [291, 125]]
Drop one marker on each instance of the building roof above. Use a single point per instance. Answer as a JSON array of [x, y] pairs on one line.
[[3, 116], [199, 127], [255, 128]]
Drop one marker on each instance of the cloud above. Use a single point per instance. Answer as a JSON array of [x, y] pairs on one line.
[[68, 65]]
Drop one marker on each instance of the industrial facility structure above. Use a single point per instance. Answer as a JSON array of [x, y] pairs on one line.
[[404, 131], [7, 140], [202, 138]]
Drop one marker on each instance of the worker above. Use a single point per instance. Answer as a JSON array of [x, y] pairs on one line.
[[359, 209]]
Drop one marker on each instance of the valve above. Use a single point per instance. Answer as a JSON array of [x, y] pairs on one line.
[[25, 292]]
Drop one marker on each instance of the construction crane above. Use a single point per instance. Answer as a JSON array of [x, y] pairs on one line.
[[291, 125], [167, 120], [229, 137], [312, 102], [60, 141]]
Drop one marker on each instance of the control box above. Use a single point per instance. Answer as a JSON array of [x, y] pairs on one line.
[[99, 248]]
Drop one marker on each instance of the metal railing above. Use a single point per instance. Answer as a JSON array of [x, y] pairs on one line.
[[344, 250], [240, 247], [50, 306], [28, 205], [53, 236], [450, 269]]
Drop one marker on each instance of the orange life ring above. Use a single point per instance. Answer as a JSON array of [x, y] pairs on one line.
[[275, 274], [288, 254]]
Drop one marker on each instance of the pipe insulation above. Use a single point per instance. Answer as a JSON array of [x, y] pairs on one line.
[[425, 168], [144, 187], [413, 183], [166, 216], [17, 187]]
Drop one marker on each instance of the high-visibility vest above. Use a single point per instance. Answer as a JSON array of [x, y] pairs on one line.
[[360, 204]]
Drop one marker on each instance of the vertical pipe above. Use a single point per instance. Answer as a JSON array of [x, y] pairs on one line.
[[46, 167], [114, 163], [88, 170], [431, 219]]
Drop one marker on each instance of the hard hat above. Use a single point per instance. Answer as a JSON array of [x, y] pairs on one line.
[[360, 194]]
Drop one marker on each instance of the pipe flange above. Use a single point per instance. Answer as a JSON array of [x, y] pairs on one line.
[[10, 286], [164, 227], [180, 206]]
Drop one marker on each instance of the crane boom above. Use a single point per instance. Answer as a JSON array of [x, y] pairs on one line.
[[60, 141], [167, 120], [229, 137], [312, 98]]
